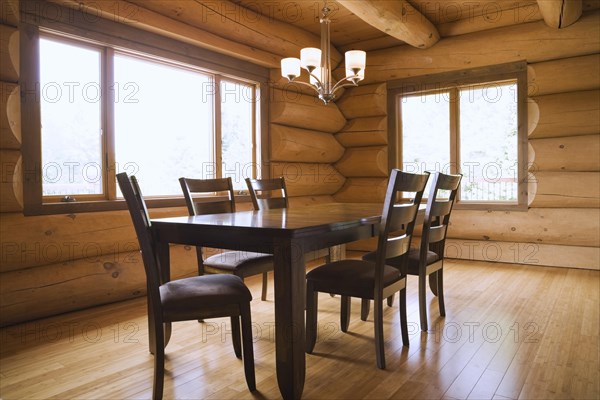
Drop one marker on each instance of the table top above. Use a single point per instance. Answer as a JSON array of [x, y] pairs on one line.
[[290, 221]]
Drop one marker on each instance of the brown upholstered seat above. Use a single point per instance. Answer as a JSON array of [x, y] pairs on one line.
[[199, 297], [428, 259], [371, 279], [240, 263]]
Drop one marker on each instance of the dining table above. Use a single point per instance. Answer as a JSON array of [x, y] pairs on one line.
[[288, 234]]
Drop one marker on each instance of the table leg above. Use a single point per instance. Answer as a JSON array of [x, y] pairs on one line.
[[290, 278]]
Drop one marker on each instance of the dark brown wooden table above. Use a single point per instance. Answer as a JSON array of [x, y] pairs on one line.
[[287, 234]]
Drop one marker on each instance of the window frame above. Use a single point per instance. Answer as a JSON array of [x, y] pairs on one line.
[[73, 26], [452, 82]]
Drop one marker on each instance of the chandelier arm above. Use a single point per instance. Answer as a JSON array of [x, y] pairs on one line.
[[316, 89], [320, 84], [341, 83]]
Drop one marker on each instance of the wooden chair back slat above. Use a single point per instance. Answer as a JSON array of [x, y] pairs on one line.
[[208, 205], [441, 208], [268, 193], [437, 233], [213, 207], [397, 246], [402, 215]]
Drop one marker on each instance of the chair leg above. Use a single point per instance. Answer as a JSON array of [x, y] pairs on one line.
[[433, 283], [378, 317], [159, 365], [235, 336], [422, 306], [440, 289], [312, 302], [265, 277], [403, 316], [345, 313], [248, 346], [365, 305], [390, 301]]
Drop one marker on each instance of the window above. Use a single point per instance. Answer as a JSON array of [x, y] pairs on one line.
[[103, 98], [469, 126], [162, 122]]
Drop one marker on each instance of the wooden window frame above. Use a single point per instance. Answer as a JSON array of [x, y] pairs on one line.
[[451, 82], [73, 24]]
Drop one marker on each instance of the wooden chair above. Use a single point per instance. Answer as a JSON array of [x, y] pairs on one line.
[[268, 193], [198, 297], [371, 279], [239, 263], [428, 259]]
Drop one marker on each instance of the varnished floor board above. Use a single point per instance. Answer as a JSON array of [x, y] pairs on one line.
[[511, 332]]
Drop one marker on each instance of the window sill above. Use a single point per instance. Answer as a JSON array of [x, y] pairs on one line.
[[77, 207]]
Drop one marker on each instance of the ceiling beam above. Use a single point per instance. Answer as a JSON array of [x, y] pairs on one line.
[[560, 13], [396, 18]]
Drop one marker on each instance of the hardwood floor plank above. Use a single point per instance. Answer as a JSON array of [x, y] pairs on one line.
[[511, 331]]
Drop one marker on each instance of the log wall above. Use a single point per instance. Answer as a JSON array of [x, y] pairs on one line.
[[560, 227], [302, 143]]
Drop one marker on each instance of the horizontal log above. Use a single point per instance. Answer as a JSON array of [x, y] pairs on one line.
[[552, 255], [11, 184], [362, 190], [243, 25], [364, 162], [302, 201], [99, 279], [9, 54], [564, 75], [203, 25], [9, 14], [564, 189], [564, 114], [308, 179], [48, 239], [565, 226], [367, 131], [364, 101], [10, 116], [496, 19], [306, 112], [574, 153], [534, 42], [303, 145], [560, 13]]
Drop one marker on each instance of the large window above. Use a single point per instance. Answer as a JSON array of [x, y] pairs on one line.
[[105, 110], [468, 126]]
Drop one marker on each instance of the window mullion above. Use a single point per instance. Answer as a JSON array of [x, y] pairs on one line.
[[111, 92], [218, 156], [454, 131]]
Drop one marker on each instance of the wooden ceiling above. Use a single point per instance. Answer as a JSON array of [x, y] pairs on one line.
[[263, 31]]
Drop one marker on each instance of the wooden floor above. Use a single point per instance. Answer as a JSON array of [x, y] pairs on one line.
[[511, 332]]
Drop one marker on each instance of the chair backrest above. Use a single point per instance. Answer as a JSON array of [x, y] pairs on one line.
[[268, 193], [398, 219], [143, 229], [208, 205], [440, 202]]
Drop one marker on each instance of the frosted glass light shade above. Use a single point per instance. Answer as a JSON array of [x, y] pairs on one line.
[[290, 67], [356, 59], [310, 57]]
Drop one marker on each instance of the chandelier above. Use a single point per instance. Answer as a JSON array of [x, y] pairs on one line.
[[318, 64]]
